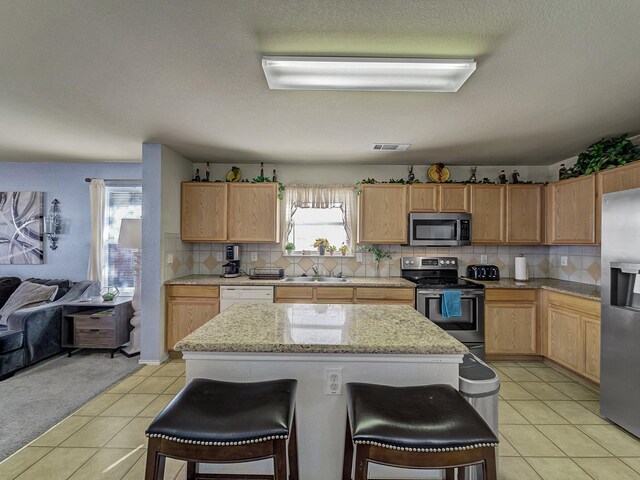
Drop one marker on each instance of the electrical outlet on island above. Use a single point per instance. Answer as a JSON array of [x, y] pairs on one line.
[[333, 381]]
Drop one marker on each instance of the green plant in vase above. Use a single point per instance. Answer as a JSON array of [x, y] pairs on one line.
[[290, 247], [331, 249], [378, 255], [343, 249]]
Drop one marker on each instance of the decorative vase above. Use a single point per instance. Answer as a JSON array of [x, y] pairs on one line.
[[331, 252], [377, 268], [289, 252], [321, 250]]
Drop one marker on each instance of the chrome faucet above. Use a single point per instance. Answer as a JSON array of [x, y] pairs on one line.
[[315, 270]]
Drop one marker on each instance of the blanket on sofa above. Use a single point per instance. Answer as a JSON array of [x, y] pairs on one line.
[[26, 295]]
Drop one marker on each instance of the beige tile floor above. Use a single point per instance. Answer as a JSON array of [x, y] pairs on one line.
[[549, 430]]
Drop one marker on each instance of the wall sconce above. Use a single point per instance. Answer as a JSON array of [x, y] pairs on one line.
[[52, 224]]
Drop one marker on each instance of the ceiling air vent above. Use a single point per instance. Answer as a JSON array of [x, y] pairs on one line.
[[390, 147]]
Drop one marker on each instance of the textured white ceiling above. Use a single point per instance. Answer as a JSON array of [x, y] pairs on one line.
[[92, 80]]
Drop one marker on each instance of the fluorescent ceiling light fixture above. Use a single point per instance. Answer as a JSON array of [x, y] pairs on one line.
[[367, 74]]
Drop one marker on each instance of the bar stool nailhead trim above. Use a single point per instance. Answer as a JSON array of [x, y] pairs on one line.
[[219, 444], [413, 449]]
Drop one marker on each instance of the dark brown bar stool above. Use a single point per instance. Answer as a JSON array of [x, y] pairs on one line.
[[430, 427], [223, 422]]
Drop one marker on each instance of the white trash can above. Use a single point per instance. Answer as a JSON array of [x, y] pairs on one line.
[[479, 385]]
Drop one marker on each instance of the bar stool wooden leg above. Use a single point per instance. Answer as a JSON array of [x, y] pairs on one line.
[[155, 461], [347, 460], [462, 473], [280, 460], [450, 473], [489, 464], [362, 462], [294, 474], [191, 470]]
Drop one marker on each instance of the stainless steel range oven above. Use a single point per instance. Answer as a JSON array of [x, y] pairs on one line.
[[433, 275]]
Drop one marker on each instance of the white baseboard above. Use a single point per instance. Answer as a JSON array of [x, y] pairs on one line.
[[153, 361]]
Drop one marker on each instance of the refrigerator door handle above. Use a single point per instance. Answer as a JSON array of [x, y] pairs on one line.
[[633, 268]]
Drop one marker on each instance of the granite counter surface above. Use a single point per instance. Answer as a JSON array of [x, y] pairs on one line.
[[333, 329], [387, 282], [585, 290]]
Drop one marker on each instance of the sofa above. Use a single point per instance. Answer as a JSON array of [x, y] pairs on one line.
[[33, 334]]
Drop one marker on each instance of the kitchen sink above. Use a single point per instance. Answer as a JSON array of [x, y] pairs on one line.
[[331, 280]]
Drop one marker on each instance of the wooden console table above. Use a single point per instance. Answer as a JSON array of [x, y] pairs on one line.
[[96, 324]]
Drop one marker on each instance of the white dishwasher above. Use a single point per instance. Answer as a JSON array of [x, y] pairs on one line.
[[232, 295]]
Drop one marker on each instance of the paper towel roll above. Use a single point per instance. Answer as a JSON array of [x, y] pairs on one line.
[[521, 268]]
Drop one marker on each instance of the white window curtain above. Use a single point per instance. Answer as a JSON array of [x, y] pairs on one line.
[[321, 196], [96, 201]]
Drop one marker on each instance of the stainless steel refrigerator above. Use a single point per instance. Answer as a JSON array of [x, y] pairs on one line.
[[620, 322]]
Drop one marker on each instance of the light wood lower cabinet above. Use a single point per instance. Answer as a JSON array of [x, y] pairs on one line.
[[188, 308], [511, 325], [401, 296], [572, 333], [372, 295]]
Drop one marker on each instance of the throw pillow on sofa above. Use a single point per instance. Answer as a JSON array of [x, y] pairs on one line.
[[63, 285], [26, 295], [8, 285]]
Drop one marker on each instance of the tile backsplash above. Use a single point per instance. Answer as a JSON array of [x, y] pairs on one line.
[[583, 263]]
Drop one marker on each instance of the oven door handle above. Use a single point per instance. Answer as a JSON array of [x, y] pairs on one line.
[[438, 293]]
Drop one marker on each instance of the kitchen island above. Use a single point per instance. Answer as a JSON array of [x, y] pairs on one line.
[[386, 344]]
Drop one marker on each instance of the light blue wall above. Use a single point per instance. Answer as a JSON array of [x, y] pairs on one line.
[[64, 181]]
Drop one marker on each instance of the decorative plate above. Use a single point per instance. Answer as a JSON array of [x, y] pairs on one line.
[[438, 173], [234, 175]]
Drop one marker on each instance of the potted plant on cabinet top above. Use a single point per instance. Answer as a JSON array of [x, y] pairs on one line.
[[331, 249], [321, 244], [343, 249], [289, 247]]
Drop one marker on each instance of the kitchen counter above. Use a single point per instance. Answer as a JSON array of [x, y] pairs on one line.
[[306, 328], [383, 344], [591, 292], [386, 282]]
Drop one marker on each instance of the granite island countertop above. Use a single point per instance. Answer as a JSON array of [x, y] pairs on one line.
[[386, 282], [592, 292], [332, 329]]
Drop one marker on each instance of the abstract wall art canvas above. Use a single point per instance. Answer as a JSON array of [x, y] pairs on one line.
[[21, 239]]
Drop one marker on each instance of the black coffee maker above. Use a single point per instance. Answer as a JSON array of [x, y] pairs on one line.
[[231, 269]]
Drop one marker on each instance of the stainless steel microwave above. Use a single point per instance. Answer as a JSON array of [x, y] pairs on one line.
[[439, 229]]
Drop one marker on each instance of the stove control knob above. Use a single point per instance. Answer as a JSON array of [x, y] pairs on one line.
[[441, 262], [406, 262], [453, 262], [412, 262], [447, 262]]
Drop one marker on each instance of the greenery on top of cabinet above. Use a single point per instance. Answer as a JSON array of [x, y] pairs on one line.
[[607, 153]]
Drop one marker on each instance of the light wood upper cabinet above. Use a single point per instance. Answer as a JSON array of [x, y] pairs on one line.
[[571, 211], [204, 211], [383, 214], [225, 212], [188, 308], [253, 212], [620, 178], [488, 207], [511, 325], [424, 197], [431, 198], [525, 214], [454, 198]]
